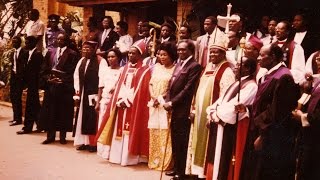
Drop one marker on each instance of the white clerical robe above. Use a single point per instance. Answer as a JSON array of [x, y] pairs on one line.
[[79, 138], [297, 64], [224, 109]]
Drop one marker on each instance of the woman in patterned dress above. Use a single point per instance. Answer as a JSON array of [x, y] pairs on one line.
[[160, 142]]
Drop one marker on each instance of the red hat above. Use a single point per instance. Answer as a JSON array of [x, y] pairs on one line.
[[256, 42], [140, 45]]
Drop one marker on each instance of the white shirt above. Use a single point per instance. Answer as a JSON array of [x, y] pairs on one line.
[[299, 36], [15, 56], [267, 40], [124, 43], [76, 83], [185, 61], [59, 54], [224, 110], [105, 35], [297, 64], [309, 63], [30, 53], [107, 78], [35, 28], [165, 40]]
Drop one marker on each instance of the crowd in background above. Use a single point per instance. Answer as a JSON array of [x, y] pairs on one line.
[[229, 104]]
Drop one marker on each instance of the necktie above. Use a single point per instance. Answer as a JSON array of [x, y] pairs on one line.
[[208, 39], [271, 38], [58, 57], [176, 72]]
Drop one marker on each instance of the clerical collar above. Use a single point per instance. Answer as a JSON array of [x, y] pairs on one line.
[[283, 41], [133, 65], [165, 40], [244, 77]]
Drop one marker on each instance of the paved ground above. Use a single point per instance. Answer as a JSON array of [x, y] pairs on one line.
[[23, 157]]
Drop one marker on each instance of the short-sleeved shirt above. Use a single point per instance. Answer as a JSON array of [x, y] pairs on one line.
[[51, 37]]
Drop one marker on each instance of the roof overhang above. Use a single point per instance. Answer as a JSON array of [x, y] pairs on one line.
[[97, 2]]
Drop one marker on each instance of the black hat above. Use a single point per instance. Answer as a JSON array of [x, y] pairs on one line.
[[53, 17]]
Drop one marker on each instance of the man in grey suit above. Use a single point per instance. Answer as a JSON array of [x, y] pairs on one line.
[[202, 43]]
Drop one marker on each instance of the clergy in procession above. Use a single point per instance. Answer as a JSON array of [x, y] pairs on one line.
[[86, 89], [313, 63], [57, 77], [127, 112], [251, 50], [234, 51], [215, 80], [309, 150], [276, 97], [230, 115], [293, 53]]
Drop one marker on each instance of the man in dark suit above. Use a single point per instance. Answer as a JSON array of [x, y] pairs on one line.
[[107, 37], [31, 79], [178, 99], [18, 58], [57, 76]]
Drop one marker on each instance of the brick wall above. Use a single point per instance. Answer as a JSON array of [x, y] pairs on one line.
[[47, 7], [183, 8]]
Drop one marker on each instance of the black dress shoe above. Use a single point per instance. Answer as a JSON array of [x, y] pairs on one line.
[[24, 132], [48, 141], [178, 177], [92, 148], [63, 141], [170, 173], [14, 123], [82, 147]]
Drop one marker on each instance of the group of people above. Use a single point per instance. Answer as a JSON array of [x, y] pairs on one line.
[[229, 105]]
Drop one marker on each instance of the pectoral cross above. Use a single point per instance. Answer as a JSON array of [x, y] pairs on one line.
[[127, 125]]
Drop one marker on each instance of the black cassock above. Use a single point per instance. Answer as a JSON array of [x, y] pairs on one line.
[[309, 146], [276, 98]]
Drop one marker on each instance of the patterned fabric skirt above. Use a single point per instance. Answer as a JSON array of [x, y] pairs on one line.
[[160, 151]]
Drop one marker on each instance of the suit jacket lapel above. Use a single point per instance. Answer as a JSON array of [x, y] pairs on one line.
[[181, 70], [53, 57], [63, 59]]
